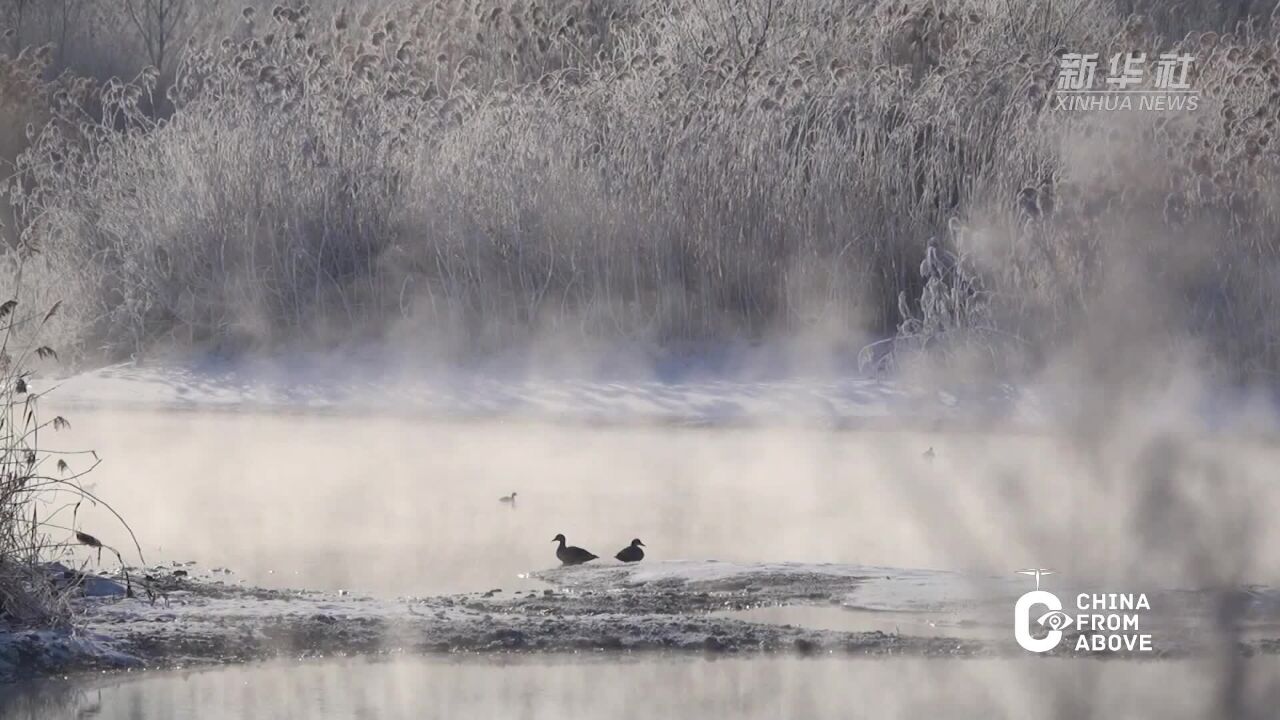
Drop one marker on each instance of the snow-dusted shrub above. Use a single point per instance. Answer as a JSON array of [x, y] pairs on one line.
[[657, 171]]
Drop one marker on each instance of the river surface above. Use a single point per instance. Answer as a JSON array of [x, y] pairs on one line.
[[587, 686], [403, 506], [410, 507]]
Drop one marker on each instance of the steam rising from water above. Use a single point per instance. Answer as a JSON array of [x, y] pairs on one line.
[[410, 506]]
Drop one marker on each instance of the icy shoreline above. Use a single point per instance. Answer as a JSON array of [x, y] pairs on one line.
[[655, 607], [199, 621], [371, 386], [850, 402]]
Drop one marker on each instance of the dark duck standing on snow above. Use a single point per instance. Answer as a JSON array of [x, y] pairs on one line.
[[571, 555], [631, 553]]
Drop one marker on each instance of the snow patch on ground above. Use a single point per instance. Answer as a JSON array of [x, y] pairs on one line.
[[27, 653], [860, 587]]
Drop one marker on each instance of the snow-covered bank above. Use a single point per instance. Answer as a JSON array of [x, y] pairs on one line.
[[202, 619], [374, 385], [678, 606], [35, 653], [376, 388]]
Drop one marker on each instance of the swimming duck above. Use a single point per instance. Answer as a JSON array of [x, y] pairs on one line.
[[571, 555], [631, 553], [508, 499], [928, 454]]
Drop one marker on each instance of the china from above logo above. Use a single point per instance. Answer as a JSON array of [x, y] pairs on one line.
[[1126, 85], [1104, 622]]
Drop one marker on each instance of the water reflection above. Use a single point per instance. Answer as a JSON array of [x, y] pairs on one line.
[[563, 687]]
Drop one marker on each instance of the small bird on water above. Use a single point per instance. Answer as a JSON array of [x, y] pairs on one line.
[[631, 553], [508, 499], [571, 555], [928, 454]]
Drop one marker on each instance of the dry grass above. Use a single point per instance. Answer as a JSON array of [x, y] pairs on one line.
[[40, 490], [662, 171]]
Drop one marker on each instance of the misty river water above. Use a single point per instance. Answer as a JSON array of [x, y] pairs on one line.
[[672, 688], [396, 506], [410, 507]]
